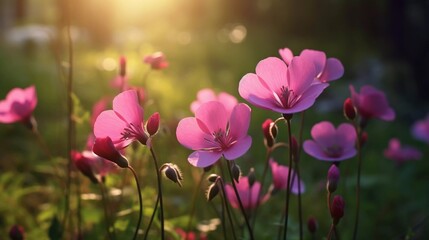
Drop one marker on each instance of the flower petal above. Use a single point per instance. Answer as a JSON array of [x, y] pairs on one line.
[[333, 70], [317, 57], [286, 55], [190, 135], [239, 121], [203, 159], [301, 74], [273, 71], [238, 149], [212, 117], [228, 101], [324, 134], [346, 135], [254, 91], [126, 104], [108, 124]]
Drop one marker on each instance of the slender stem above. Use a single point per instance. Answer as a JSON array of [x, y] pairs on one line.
[[109, 224], [151, 218], [249, 228], [328, 200], [222, 221], [193, 205], [140, 202], [359, 150], [301, 130], [331, 230], [337, 236], [224, 199], [159, 192], [79, 206], [288, 180], [264, 174]]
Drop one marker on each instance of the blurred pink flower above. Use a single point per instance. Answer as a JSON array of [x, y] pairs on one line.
[[372, 103], [420, 129], [401, 154], [121, 80], [123, 124], [156, 60], [91, 165], [249, 195], [213, 133], [190, 235], [326, 69], [281, 88], [18, 105], [98, 108], [330, 144], [207, 95], [280, 176]]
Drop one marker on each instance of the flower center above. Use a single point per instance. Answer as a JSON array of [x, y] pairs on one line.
[[221, 140], [132, 131], [334, 151], [287, 97]]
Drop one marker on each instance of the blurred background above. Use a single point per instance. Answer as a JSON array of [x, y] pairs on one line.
[[212, 44]]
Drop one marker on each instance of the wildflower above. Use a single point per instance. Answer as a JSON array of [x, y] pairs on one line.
[[372, 103], [156, 60], [249, 196], [326, 69], [330, 144], [280, 88], [18, 106], [420, 130], [207, 95], [401, 154], [280, 176], [212, 133], [123, 124], [104, 148]]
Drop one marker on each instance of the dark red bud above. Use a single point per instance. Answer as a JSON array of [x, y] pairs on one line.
[[104, 148], [270, 132], [349, 109], [16, 232], [312, 225], [337, 209], [363, 138], [333, 178], [84, 165], [152, 125]]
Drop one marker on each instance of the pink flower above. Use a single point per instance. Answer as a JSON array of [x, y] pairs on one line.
[[98, 108], [18, 105], [104, 148], [281, 88], [401, 154], [326, 69], [207, 95], [420, 130], [280, 176], [90, 165], [213, 133], [330, 144], [156, 60], [249, 195], [372, 103], [123, 124], [190, 235]]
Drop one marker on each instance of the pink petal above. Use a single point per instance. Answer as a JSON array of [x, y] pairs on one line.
[[346, 135], [190, 135], [31, 97], [273, 71], [286, 55], [301, 75], [232, 198], [206, 95], [308, 98], [314, 149], [239, 121], [238, 149], [333, 70], [256, 92], [212, 117], [203, 159], [317, 57], [126, 104], [108, 124], [324, 134], [228, 101]]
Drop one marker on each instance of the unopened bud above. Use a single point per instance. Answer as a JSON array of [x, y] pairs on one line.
[[236, 172], [363, 138], [251, 177], [122, 66], [152, 125], [212, 177], [84, 165], [333, 178], [312, 225], [337, 209], [16, 232], [172, 172], [270, 132], [349, 109], [212, 191], [104, 148]]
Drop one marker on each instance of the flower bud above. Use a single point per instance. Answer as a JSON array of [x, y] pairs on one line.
[[212, 191], [212, 177], [333, 178], [104, 148], [363, 138], [152, 125], [349, 109], [122, 66], [172, 172], [16, 232], [312, 225], [337, 209], [270, 132], [236, 172], [84, 165], [251, 177]]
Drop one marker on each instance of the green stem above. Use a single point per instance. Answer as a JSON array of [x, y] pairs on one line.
[[249, 228], [225, 200], [193, 205], [301, 130], [288, 180], [140, 202], [159, 192], [359, 150], [151, 218]]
